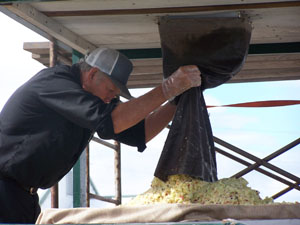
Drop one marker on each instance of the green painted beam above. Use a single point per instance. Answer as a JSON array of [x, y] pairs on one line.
[[76, 169], [273, 48], [293, 47], [145, 53], [76, 185], [76, 56]]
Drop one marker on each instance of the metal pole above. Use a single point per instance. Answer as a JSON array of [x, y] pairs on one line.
[[53, 53], [52, 63], [87, 176], [268, 158], [118, 172], [257, 160], [54, 196], [267, 173], [79, 169], [284, 191]]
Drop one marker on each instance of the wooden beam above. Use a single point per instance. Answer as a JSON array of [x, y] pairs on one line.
[[253, 62], [189, 9], [266, 75], [51, 27], [37, 47], [148, 72], [250, 58], [270, 48], [257, 75], [143, 84], [272, 67], [44, 59]]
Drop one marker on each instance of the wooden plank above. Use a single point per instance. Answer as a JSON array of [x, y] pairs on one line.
[[276, 64], [51, 27], [140, 31], [254, 75], [266, 75], [146, 78], [132, 45], [141, 84], [44, 59], [133, 4], [273, 57], [146, 62], [271, 25], [275, 25], [37, 47], [152, 69], [148, 72], [157, 69], [250, 58], [242, 77], [248, 66], [121, 39], [166, 10], [43, 48]]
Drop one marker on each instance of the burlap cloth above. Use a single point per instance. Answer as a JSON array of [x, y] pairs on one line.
[[168, 213]]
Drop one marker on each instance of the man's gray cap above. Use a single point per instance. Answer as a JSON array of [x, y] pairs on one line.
[[114, 64]]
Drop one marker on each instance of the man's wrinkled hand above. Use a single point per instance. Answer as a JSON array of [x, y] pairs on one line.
[[184, 78]]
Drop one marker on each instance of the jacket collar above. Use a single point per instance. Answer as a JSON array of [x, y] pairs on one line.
[[75, 70]]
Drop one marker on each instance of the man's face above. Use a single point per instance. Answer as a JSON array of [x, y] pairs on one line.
[[101, 86]]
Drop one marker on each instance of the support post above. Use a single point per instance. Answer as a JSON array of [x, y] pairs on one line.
[[80, 170], [79, 182], [52, 63], [87, 176], [118, 173]]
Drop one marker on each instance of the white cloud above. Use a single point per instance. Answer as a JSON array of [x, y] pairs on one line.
[[17, 66]]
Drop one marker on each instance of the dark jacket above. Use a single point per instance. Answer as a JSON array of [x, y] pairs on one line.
[[47, 123]]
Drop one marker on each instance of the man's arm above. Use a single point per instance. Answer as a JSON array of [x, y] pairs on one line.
[[158, 120], [128, 114]]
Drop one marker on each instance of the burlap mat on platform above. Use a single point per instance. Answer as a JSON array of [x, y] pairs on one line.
[[168, 213]]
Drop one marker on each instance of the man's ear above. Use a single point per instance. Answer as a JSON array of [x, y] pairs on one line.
[[91, 73], [88, 78]]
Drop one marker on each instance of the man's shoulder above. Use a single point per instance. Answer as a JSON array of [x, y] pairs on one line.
[[58, 69], [69, 72], [51, 71]]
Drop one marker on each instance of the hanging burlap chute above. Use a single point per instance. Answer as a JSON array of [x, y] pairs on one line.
[[218, 46]]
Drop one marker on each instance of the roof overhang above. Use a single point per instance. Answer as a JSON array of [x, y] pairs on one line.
[[131, 26]]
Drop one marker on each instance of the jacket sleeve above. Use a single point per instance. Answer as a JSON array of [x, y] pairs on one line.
[[133, 136]]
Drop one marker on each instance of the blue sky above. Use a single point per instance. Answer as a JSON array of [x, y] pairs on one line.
[[280, 122], [260, 131]]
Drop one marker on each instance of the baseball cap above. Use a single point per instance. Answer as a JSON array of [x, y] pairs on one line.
[[114, 64]]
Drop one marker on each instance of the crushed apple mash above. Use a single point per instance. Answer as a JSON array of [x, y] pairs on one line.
[[185, 189]]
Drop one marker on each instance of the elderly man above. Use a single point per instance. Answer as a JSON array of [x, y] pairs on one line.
[[48, 122]]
